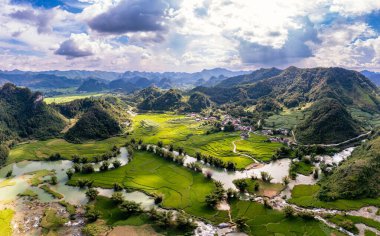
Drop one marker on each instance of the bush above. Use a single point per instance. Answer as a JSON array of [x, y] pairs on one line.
[[91, 194], [69, 173], [288, 211], [104, 166], [241, 184], [117, 187], [53, 180], [116, 164], [87, 168], [266, 177], [91, 213], [130, 207], [117, 197], [158, 199]]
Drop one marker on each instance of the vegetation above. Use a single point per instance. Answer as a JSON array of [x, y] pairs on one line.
[[329, 122], [264, 221], [51, 221], [51, 192], [6, 216], [42, 150], [69, 98], [356, 178], [259, 187], [96, 123], [24, 115], [180, 187], [306, 196], [28, 194]]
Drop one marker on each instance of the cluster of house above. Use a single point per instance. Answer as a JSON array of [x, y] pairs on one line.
[[281, 131]]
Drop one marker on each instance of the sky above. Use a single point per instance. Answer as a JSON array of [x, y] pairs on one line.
[[188, 35]]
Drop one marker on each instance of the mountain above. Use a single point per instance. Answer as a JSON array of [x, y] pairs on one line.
[[95, 123], [250, 78], [24, 115], [92, 85], [294, 86], [167, 101], [373, 76], [39, 81], [356, 178], [329, 122], [198, 102]]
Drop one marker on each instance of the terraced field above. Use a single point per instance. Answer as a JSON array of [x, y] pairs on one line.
[[305, 196], [182, 131], [5, 222], [257, 147], [264, 221], [69, 98], [181, 188], [40, 150]]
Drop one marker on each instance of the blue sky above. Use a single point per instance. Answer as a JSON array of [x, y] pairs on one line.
[[179, 35]]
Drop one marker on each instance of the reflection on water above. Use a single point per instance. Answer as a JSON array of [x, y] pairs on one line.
[[71, 194]]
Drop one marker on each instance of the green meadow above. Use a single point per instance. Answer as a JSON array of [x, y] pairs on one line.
[[186, 132], [41, 150], [257, 147], [5, 221], [305, 196], [180, 187], [264, 221], [69, 98]]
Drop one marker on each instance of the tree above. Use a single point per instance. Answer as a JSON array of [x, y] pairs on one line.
[[104, 166], [9, 174], [212, 199], [116, 164], [184, 222], [117, 197], [160, 144], [158, 199], [266, 177], [180, 150], [69, 173], [256, 186], [77, 168], [241, 184], [285, 180], [241, 223], [117, 187], [53, 180], [130, 207], [88, 168], [91, 213], [288, 211], [91, 194], [165, 219]]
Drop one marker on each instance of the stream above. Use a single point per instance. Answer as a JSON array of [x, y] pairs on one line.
[[74, 195]]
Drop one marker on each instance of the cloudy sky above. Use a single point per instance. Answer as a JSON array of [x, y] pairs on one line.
[[188, 35]]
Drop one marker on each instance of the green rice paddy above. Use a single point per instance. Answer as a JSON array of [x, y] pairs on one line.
[[305, 196], [41, 150]]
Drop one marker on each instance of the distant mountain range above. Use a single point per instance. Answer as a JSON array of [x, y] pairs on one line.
[[90, 81], [373, 76]]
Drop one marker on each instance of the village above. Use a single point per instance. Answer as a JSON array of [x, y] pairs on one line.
[[280, 135]]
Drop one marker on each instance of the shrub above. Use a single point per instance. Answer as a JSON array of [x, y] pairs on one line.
[[104, 166], [91, 194], [288, 211], [117, 187], [87, 168], [130, 207], [116, 164], [117, 197]]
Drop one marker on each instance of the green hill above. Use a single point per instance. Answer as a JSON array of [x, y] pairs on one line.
[[329, 122], [96, 123], [358, 177], [23, 114]]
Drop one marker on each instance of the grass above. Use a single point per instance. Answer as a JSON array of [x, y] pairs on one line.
[[37, 176], [113, 216], [303, 168], [181, 188], [6, 183], [369, 233], [192, 135], [71, 209], [5, 221], [41, 150], [305, 196], [51, 192], [258, 147], [28, 194], [51, 221], [264, 221], [287, 119], [69, 98]]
